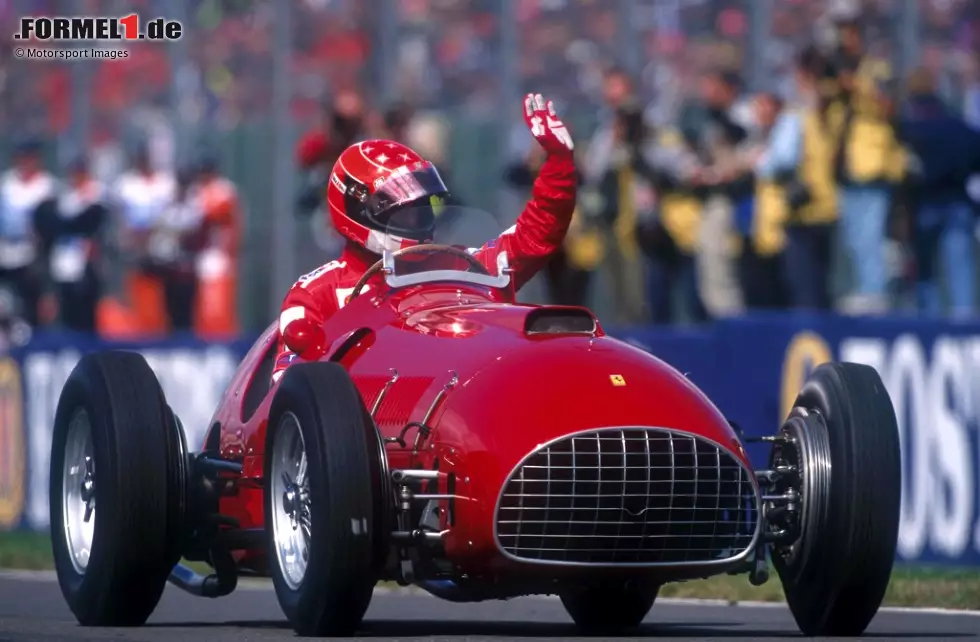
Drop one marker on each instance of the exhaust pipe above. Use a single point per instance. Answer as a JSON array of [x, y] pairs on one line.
[[448, 590], [194, 583]]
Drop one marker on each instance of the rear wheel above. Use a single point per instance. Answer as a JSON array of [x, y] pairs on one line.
[[609, 607], [116, 490], [324, 478], [842, 437]]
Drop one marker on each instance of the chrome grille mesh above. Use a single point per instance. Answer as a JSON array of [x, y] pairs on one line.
[[628, 496]]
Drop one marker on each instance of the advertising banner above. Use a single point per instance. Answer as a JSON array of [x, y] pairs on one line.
[[752, 368], [193, 376]]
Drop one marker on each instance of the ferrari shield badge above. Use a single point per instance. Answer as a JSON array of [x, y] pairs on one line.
[[617, 380]]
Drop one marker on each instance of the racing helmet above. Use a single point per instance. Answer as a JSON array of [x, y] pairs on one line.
[[374, 180]]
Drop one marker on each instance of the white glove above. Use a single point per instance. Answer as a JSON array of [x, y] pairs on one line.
[[546, 127]]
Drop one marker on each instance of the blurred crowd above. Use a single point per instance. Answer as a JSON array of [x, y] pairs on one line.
[[740, 203], [149, 254], [746, 200], [447, 53], [724, 169]]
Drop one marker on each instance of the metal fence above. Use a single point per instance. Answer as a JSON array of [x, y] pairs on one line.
[[249, 75]]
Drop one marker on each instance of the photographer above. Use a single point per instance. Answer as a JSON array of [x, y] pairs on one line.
[[723, 183], [796, 191], [24, 187], [615, 193], [175, 243], [668, 231], [569, 272], [947, 152], [71, 226], [138, 199], [869, 163], [762, 234], [342, 124]]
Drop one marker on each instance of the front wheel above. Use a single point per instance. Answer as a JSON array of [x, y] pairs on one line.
[[842, 440], [608, 608], [323, 489], [116, 490]]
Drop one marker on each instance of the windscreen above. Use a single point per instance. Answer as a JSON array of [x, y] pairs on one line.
[[464, 230]]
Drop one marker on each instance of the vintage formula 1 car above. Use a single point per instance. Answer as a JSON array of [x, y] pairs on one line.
[[474, 447]]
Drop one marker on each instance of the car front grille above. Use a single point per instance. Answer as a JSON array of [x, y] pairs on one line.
[[628, 496]]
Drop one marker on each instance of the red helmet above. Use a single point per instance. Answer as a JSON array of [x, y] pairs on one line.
[[370, 182]]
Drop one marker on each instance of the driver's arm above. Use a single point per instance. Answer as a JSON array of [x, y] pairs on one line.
[[541, 227], [311, 300]]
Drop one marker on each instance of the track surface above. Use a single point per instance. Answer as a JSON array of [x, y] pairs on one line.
[[31, 608]]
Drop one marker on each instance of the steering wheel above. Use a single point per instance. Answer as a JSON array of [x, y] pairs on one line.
[[419, 249]]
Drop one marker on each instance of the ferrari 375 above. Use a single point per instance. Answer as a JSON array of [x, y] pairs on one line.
[[474, 447]]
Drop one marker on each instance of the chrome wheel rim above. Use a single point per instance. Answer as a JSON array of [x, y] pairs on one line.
[[78, 490], [290, 488]]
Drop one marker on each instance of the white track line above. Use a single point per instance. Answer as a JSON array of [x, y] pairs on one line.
[[260, 584]]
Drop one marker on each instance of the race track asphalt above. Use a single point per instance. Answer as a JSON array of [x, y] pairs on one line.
[[31, 608]]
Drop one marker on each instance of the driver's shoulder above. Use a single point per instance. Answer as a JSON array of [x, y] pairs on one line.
[[331, 271]]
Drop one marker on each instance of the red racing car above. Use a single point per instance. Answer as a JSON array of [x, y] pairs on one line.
[[478, 448]]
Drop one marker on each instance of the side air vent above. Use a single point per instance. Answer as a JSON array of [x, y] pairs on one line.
[[559, 320]]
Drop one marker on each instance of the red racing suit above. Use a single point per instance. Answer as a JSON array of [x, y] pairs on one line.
[[529, 243]]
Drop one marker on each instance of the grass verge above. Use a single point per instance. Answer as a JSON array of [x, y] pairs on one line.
[[26, 551], [910, 586]]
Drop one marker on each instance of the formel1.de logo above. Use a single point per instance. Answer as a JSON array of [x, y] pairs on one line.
[[68, 29]]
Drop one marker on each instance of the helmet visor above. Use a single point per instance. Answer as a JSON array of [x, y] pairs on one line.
[[413, 186]]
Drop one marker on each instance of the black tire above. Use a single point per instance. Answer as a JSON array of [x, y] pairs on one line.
[[835, 587], [344, 474], [608, 608], [139, 513]]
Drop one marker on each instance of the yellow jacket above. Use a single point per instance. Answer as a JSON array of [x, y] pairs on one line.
[[815, 172], [872, 152], [680, 211]]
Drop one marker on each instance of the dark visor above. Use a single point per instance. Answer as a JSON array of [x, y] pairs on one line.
[[403, 188]]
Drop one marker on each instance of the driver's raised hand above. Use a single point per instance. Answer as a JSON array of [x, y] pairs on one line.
[[546, 127]]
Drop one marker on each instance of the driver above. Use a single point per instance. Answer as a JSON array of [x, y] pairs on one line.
[[374, 179]]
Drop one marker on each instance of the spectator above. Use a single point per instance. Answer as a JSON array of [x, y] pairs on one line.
[[22, 189], [70, 226], [869, 164], [314, 161], [722, 184], [760, 275], [614, 193], [141, 196], [617, 92], [174, 248], [342, 123], [946, 153], [569, 273], [397, 120], [216, 310], [848, 56], [428, 134], [669, 233], [797, 203], [971, 114]]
